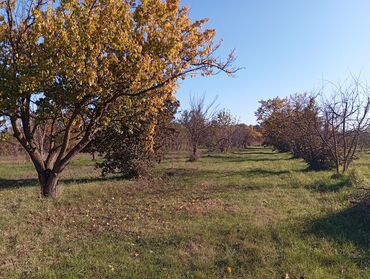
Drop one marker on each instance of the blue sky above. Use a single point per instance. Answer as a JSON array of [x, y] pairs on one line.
[[285, 46]]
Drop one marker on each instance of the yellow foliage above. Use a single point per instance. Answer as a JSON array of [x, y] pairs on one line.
[[75, 63]]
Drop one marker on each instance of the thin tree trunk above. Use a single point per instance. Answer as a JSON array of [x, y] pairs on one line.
[[195, 150], [337, 167]]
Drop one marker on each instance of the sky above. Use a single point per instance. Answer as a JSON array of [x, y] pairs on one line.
[[284, 46]]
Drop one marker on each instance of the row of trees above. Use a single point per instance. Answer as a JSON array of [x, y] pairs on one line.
[[327, 132], [216, 130]]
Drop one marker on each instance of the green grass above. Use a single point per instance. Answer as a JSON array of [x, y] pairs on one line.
[[259, 212]]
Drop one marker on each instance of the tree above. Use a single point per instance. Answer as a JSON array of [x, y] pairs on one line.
[[325, 135], [301, 129], [68, 67], [222, 129], [272, 116], [246, 135], [346, 118], [197, 122], [292, 125]]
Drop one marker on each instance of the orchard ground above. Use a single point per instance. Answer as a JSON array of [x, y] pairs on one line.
[[253, 213]]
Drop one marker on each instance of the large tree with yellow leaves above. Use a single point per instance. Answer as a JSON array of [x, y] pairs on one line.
[[67, 67]]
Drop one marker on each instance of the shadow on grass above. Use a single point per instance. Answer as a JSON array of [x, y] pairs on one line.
[[261, 172], [239, 159], [349, 226], [68, 181], [188, 173], [325, 187], [255, 152], [32, 182], [308, 169], [17, 183]]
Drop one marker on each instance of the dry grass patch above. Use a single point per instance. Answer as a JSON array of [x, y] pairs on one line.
[[204, 207], [197, 252]]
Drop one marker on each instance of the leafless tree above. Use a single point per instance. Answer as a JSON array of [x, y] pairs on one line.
[[345, 119], [197, 121]]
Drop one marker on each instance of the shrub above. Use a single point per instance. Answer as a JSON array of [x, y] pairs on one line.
[[130, 159], [135, 144]]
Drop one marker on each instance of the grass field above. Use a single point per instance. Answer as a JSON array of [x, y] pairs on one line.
[[259, 212]]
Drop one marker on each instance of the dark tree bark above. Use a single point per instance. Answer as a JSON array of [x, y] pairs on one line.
[[195, 150], [48, 181]]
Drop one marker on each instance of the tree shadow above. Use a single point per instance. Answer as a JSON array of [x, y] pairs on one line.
[[239, 159], [258, 153], [17, 183], [261, 172], [325, 187], [180, 172], [32, 182], [312, 170], [86, 180], [351, 225], [255, 152]]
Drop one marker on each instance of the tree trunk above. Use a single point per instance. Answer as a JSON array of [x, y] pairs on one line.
[[337, 167], [195, 150], [346, 166], [48, 182]]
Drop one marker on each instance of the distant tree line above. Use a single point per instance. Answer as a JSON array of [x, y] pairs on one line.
[[326, 131], [215, 130]]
